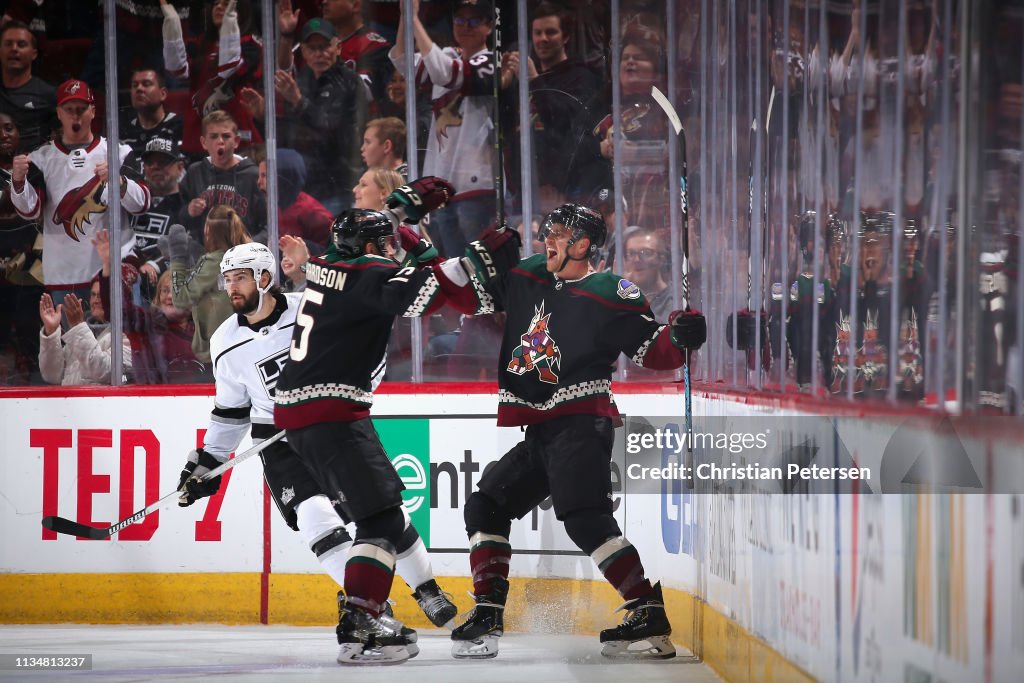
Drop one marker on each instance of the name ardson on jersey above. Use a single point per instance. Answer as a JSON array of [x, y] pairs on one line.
[[326, 277]]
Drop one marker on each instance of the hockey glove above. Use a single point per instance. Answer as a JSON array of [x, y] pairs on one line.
[[746, 330], [190, 485], [688, 330], [420, 197], [174, 245], [494, 253], [416, 246]]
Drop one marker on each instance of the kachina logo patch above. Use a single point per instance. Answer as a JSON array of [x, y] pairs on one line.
[[407, 443], [537, 350]]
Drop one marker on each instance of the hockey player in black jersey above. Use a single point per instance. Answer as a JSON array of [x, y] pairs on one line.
[[566, 326], [323, 397], [249, 350]]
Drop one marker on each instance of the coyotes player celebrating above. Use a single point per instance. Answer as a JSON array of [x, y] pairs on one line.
[[324, 393], [565, 329]]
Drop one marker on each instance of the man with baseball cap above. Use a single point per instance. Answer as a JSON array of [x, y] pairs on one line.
[[325, 109], [360, 48], [163, 165], [74, 204]]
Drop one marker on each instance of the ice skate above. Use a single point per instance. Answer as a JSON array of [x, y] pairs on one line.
[[644, 633], [436, 604], [363, 640], [387, 618], [477, 637]]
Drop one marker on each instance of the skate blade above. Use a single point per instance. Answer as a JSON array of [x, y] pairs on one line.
[[485, 647], [655, 647], [395, 625], [355, 654]]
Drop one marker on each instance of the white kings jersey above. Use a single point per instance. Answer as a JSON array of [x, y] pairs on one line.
[[73, 206], [246, 365], [461, 145]]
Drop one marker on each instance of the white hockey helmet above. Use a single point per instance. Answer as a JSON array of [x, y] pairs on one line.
[[255, 257]]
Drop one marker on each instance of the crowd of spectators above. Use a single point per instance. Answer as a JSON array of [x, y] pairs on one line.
[[193, 119]]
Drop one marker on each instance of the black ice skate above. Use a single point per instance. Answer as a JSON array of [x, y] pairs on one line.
[[364, 640], [477, 637], [646, 624], [436, 604]]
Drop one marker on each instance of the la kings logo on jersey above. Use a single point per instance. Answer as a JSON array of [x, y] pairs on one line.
[[270, 369]]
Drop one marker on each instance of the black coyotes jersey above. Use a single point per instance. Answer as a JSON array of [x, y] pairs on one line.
[[341, 335], [562, 339]]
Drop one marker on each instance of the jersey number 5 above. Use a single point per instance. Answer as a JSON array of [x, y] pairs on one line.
[[304, 321]]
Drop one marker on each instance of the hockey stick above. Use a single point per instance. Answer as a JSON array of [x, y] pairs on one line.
[[684, 211], [499, 162], [65, 526]]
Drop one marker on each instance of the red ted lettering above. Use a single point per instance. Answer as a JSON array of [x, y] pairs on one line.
[[131, 443], [89, 484], [208, 528], [131, 440], [51, 441]]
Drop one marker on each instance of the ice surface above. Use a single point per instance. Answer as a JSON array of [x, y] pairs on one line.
[[268, 654]]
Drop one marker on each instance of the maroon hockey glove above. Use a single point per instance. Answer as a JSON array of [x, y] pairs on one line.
[[495, 252], [420, 197], [416, 246], [190, 485], [688, 330]]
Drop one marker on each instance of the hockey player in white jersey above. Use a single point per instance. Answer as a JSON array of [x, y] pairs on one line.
[[248, 350]]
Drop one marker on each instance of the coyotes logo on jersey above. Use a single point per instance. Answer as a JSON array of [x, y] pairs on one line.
[[78, 206], [538, 351], [910, 361]]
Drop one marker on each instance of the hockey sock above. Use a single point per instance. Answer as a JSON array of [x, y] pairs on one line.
[[369, 573], [413, 563], [620, 563], [489, 557], [324, 532]]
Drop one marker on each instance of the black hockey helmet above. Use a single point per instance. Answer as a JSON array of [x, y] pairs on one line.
[[353, 229], [580, 221]]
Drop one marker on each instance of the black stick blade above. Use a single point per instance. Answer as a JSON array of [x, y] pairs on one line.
[[66, 526]]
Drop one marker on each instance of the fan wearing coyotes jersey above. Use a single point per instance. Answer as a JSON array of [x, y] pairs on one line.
[[566, 326], [248, 350], [72, 204], [324, 393], [461, 141]]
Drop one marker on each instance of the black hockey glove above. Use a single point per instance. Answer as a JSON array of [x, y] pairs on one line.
[[420, 197], [495, 252], [190, 485], [746, 330], [688, 330]]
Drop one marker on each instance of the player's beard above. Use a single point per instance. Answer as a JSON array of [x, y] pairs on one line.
[[248, 305]]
